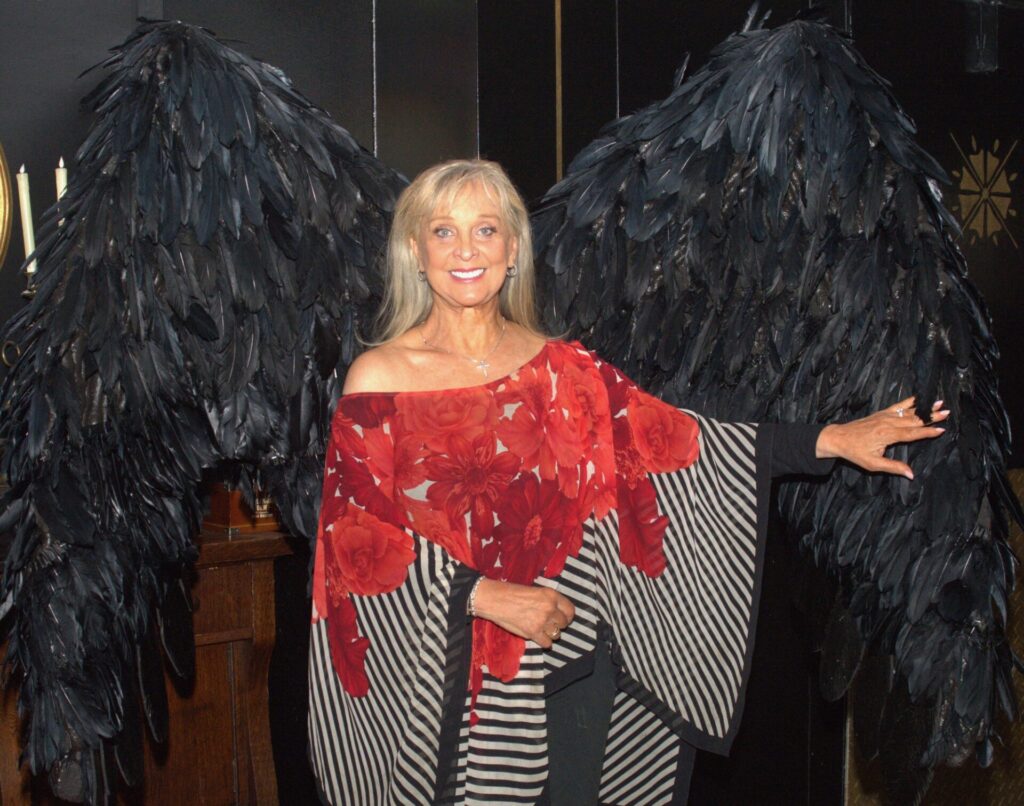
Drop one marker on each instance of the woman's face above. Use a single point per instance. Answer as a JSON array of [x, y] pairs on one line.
[[466, 251]]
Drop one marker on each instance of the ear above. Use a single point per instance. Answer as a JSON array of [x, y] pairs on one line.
[[414, 245], [513, 251]]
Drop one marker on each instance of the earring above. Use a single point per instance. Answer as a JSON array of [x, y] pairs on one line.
[[512, 271], [421, 276]]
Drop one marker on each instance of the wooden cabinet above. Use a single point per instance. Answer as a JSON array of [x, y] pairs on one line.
[[218, 749]]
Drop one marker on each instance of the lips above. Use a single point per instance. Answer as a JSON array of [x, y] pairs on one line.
[[467, 275]]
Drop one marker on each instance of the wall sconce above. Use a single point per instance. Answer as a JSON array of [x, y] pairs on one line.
[[981, 54]]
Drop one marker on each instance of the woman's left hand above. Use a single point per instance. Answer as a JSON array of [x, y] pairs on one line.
[[863, 442]]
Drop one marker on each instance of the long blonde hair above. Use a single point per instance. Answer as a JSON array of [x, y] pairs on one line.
[[407, 300]]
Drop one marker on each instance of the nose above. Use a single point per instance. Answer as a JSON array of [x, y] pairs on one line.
[[465, 248]]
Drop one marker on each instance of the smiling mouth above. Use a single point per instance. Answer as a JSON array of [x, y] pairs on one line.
[[467, 274]]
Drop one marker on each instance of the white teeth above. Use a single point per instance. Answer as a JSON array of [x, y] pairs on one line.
[[469, 274]]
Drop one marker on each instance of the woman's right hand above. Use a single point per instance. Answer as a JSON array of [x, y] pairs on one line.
[[529, 611]]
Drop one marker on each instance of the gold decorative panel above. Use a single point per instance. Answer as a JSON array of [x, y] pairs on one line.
[[984, 198]]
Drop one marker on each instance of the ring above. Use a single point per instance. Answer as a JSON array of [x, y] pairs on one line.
[[899, 411], [557, 632]]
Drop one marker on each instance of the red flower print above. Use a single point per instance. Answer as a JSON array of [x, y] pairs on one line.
[[501, 651], [470, 477], [665, 437], [582, 394], [319, 581], [539, 527], [545, 439], [436, 527], [431, 418], [395, 465], [367, 411], [618, 386], [356, 482], [348, 649], [629, 464], [370, 556], [641, 528]]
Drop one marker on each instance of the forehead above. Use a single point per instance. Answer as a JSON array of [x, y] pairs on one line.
[[473, 200]]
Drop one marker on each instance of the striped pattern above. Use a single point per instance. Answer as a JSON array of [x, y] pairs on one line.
[[383, 748], [684, 636], [637, 739], [684, 639]]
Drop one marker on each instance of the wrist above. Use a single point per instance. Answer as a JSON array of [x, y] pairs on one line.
[[471, 604], [824, 447]]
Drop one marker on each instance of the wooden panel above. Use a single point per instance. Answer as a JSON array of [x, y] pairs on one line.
[[218, 749], [197, 766]]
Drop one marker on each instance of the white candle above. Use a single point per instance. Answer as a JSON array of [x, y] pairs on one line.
[[28, 234], [61, 175]]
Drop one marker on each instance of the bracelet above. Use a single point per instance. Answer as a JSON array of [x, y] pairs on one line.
[[471, 603]]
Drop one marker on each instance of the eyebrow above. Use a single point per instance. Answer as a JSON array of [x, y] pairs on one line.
[[490, 216]]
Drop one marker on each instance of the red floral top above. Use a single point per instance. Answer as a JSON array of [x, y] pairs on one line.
[[502, 476]]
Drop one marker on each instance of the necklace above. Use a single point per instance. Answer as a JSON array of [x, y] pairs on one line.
[[481, 364]]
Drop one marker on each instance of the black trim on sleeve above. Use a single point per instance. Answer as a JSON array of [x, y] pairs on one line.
[[458, 653], [791, 448]]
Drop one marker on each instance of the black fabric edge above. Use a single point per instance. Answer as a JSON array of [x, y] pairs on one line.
[[458, 653], [793, 447], [684, 730], [570, 672]]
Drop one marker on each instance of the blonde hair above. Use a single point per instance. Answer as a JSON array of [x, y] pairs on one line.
[[408, 300]]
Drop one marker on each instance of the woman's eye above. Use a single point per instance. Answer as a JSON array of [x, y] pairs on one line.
[[488, 230], [442, 232]]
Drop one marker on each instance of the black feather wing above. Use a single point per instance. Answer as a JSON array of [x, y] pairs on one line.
[[778, 250], [197, 307]]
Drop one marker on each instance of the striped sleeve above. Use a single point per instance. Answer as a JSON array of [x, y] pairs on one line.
[[684, 638]]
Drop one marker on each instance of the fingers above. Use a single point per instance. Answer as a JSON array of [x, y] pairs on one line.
[[925, 432], [560, 615], [567, 609], [905, 405], [893, 467]]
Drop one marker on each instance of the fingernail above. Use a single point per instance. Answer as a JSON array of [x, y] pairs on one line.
[[909, 476], [938, 404], [945, 411], [941, 430]]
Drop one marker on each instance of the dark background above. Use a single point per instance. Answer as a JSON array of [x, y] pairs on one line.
[[422, 81]]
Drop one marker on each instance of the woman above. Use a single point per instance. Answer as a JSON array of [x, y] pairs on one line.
[[502, 512]]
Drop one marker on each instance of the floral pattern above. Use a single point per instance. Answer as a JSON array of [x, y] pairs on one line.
[[502, 476]]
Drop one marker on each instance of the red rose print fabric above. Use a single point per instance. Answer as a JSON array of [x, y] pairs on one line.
[[502, 476]]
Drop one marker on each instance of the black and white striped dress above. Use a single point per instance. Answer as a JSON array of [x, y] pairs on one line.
[[681, 640]]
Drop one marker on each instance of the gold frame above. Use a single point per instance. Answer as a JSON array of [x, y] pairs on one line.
[[6, 208]]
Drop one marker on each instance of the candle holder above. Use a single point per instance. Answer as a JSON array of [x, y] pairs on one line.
[[6, 208]]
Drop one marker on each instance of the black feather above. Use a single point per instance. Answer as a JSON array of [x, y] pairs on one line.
[[785, 257], [216, 265]]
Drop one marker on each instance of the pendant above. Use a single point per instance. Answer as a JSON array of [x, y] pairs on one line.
[[483, 366]]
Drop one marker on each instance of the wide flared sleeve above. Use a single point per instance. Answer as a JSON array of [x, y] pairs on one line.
[[390, 644], [682, 624]]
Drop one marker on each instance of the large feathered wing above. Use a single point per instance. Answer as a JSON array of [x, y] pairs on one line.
[[769, 243], [201, 288]]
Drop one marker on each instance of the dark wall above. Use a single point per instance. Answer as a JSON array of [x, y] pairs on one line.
[[45, 44], [326, 49]]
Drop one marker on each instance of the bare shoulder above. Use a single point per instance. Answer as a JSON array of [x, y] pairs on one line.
[[377, 370]]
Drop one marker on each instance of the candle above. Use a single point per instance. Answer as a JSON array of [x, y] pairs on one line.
[[28, 234], [61, 175]]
